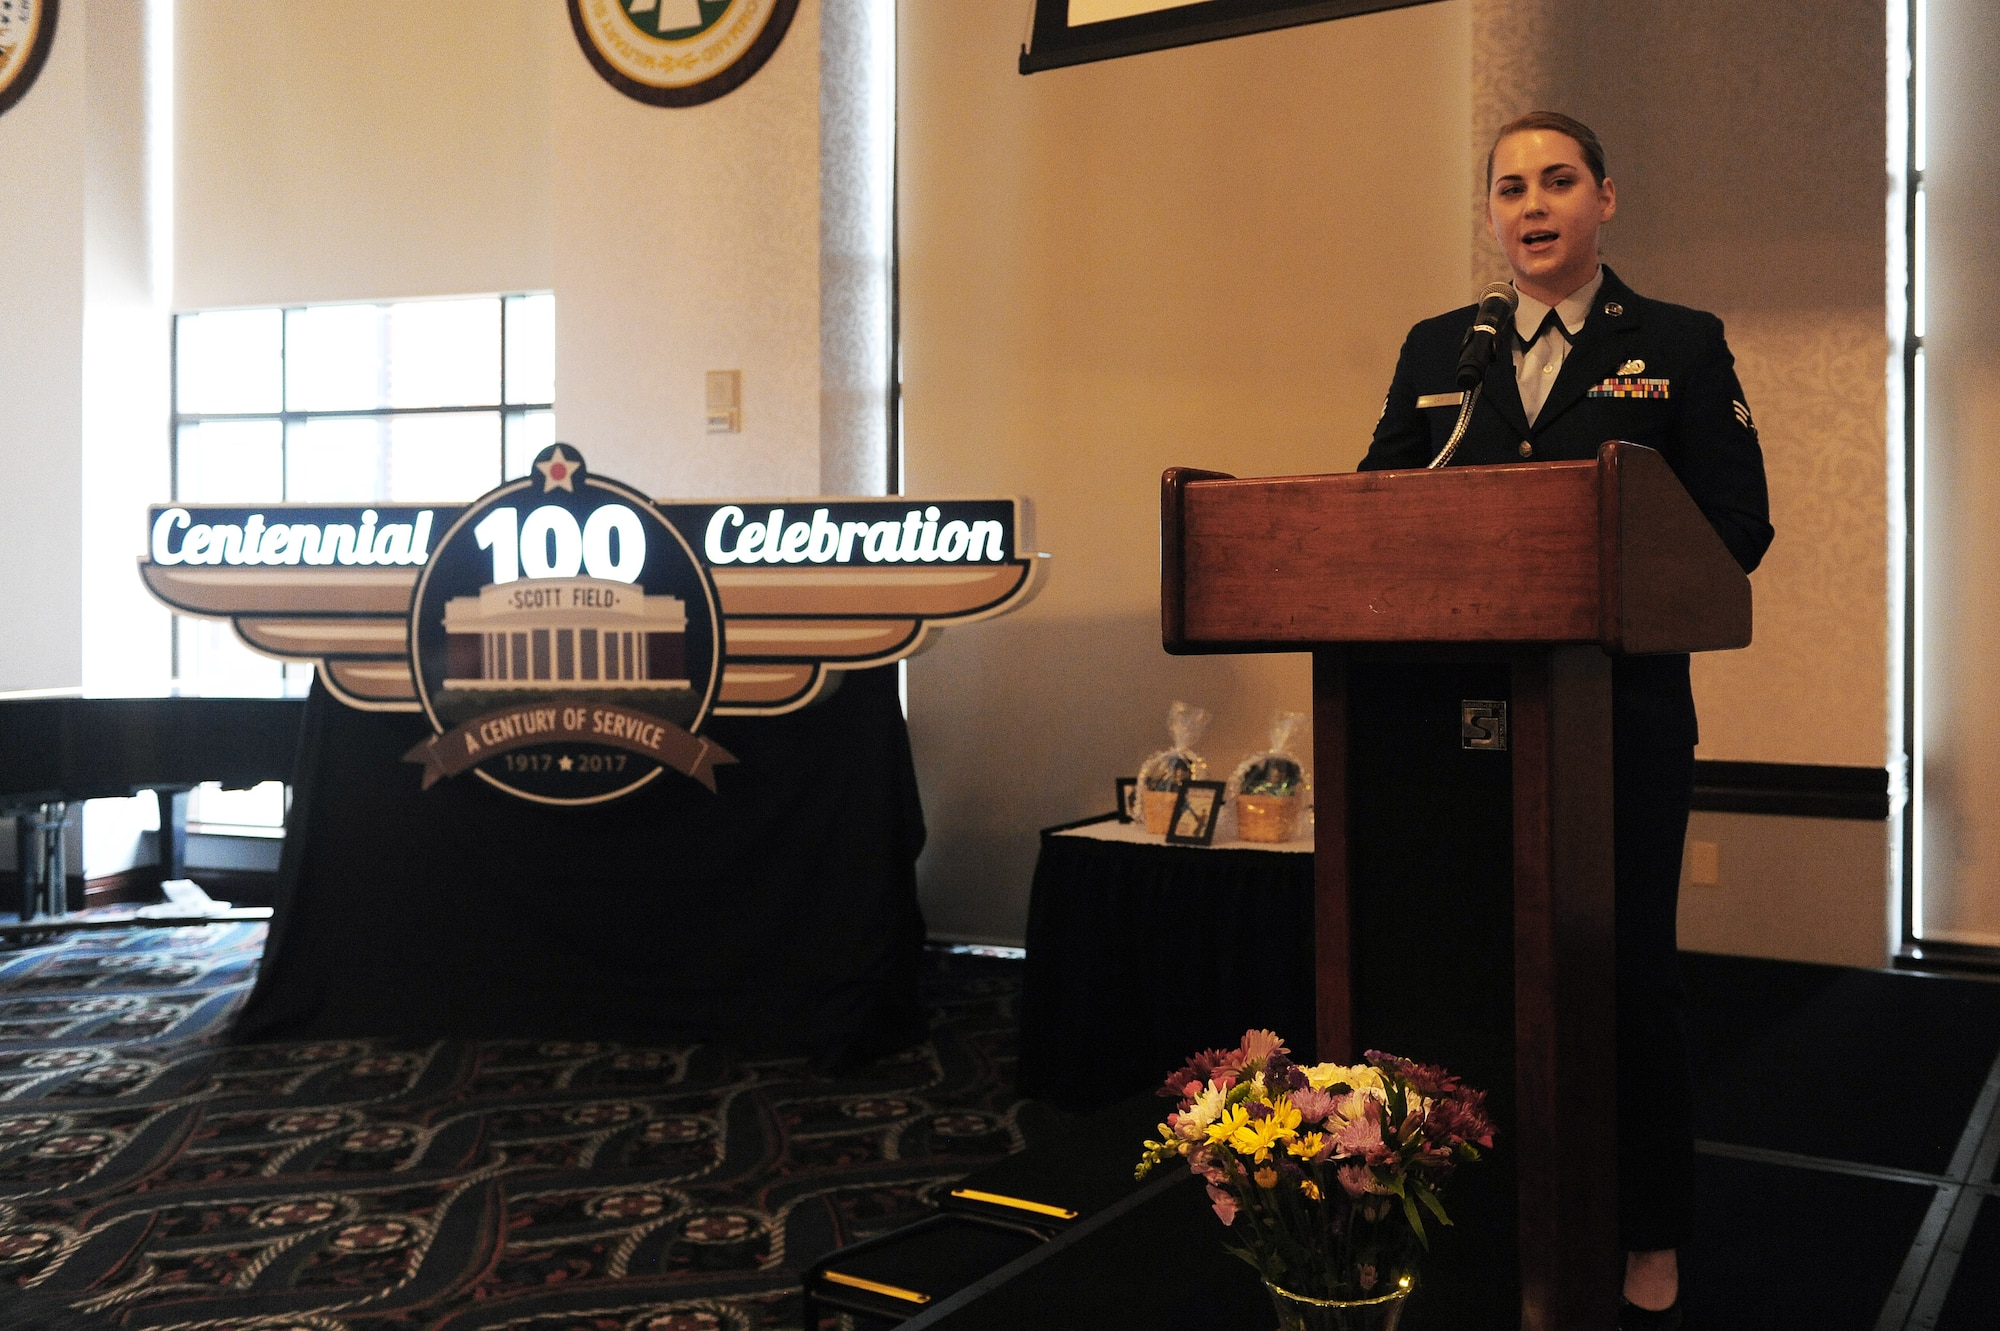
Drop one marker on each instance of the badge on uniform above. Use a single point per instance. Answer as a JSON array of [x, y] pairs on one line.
[[1628, 385]]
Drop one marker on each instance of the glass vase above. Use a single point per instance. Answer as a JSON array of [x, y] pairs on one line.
[[1297, 1312]]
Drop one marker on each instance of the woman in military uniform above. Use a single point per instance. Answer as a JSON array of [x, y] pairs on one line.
[[1592, 360]]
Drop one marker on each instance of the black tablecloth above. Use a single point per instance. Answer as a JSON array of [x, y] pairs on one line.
[[1140, 955], [778, 915]]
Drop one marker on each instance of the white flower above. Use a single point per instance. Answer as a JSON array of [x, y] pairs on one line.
[[1206, 1108]]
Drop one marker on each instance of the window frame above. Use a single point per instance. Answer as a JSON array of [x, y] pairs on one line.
[[287, 416]]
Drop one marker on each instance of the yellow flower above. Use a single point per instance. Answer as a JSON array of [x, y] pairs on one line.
[[1231, 1121], [1323, 1075], [1309, 1188], [1255, 1139], [1307, 1146], [1266, 1177]]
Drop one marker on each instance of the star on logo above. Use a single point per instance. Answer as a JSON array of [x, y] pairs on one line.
[[565, 762], [558, 472]]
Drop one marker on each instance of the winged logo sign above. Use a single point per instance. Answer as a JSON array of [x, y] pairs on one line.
[[565, 606]]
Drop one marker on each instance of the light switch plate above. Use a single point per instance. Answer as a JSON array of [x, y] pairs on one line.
[[725, 401]]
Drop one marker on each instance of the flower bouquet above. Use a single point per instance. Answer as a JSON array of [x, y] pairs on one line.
[[1323, 1174]]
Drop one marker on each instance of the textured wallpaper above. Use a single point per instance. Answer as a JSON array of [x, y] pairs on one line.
[[1813, 686], [1745, 142]]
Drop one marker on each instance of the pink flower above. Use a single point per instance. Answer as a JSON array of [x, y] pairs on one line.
[[1258, 1046], [1363, 1136], [1225, 1205], [1202, 1161], [1313, 1106], [1358, 1180], [1188, 1079], [1463, 1118], [1424, 1078]]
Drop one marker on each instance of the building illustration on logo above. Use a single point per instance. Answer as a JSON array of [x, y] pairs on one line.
[[565, 633]]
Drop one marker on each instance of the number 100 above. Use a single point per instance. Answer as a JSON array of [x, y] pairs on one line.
[[611, 543]]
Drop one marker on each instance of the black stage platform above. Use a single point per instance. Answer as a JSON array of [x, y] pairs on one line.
[[1850, 1132]]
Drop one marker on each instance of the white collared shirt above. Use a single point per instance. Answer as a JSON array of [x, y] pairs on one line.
[[1536, 367]]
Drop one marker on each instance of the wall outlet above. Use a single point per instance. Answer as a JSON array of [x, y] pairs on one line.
[[1704, 863]]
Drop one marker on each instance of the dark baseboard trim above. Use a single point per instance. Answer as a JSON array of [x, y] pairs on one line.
[[135, 886], [140, 885], [1796, 790], [1962, 959]]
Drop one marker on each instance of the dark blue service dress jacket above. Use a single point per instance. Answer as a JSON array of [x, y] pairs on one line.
[[1642, 371]]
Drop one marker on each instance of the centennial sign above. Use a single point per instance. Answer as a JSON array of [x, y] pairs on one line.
[[679, 52], [565, 636]]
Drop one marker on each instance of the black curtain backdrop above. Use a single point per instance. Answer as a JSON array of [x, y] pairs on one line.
[[1139, 956], [777, 916]]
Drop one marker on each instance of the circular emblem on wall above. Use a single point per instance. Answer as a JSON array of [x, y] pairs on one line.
[[27, 27], [679, 52], [565, 641]]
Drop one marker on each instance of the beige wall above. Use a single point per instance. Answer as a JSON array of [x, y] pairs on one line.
[[1206, 256], [688, 240], [1747, 146], [364, 150], [1747, 143], [1763, 905], [41, 367], [389, 149]]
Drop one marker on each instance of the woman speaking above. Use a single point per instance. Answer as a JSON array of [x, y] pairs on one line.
[[1590, 361]]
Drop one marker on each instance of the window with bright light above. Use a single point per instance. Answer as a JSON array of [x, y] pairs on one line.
[[416, 400]]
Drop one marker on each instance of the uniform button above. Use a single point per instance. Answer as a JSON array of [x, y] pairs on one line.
[[1527, 449], [1548, 369]]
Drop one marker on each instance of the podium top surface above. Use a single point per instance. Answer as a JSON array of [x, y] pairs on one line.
[[1611, 551]]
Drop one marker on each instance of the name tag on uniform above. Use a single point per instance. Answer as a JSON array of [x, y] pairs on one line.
[[1441, 400], [1624, 385]]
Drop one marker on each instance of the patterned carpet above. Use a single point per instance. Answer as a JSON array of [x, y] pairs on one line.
[[153, 1176]]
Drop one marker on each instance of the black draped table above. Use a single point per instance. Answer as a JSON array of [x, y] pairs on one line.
[[1141, 953], [778, 915]]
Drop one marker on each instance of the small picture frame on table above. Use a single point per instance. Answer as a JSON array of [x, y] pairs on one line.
[[1128, 799], [1196, 811]]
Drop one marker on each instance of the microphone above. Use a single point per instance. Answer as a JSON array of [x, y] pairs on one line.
[[1496, 312]]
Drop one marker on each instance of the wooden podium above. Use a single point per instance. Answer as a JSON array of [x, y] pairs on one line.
[[1446, 610]]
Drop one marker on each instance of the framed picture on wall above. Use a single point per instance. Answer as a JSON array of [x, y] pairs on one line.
[[27, 27], [1196, 813]]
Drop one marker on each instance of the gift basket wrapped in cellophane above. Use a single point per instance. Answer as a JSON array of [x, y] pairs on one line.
[[1162, 775]]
